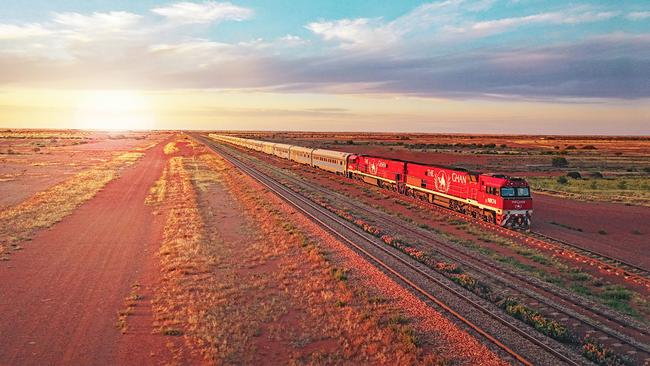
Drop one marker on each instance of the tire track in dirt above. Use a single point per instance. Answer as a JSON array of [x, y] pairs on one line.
[[59, 302]]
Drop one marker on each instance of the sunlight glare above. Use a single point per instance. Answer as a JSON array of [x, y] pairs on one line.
[[113, 110]]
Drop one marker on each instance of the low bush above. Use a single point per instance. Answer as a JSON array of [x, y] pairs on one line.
[[559, 162], [601, 355], [532, 317]]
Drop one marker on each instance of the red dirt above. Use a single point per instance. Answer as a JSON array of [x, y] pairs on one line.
[[619, 221], [61, 297], [27, 172]]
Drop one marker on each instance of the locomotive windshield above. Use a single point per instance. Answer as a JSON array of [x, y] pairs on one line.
[[515, 192]]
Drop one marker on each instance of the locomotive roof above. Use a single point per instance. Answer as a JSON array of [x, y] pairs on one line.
[[424, 164]]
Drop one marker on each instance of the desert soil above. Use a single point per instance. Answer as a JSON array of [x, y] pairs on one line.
[[61, 295], [619, 222]]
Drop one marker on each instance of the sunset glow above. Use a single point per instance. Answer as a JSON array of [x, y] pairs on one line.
[[113, 110]]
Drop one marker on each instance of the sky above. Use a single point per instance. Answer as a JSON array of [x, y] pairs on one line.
[[485, 66]]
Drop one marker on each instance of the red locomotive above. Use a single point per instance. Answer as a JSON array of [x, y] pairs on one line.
[[495, 198]]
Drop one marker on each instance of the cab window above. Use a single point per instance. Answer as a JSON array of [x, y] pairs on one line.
[[523, 192], [507, 192]]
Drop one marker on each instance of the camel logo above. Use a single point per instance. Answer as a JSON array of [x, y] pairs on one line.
[[373, 168], [442, 181]]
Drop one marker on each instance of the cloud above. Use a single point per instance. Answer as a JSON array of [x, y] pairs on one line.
[[638, 15], [354, 32], [10, 31], [113, 21], [291, 40], [573, 17], [403, 56], [376, 33], [207, 12], [443, 21]]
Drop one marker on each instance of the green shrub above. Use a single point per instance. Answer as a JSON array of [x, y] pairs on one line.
[[559, 162]]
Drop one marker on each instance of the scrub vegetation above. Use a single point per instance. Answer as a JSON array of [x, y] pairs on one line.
[[632, 189], [44, 209]]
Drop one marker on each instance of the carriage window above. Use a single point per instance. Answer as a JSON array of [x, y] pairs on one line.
[[507, 192]]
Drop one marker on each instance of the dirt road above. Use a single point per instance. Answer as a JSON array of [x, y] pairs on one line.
[[59, 297]]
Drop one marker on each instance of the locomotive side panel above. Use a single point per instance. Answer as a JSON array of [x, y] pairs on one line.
[[381, 168], [448, 182]]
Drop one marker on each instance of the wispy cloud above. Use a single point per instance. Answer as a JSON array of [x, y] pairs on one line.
[[361, 32], [207, 12], [638, 15], [501, 25], [112, 21], [12, 32]]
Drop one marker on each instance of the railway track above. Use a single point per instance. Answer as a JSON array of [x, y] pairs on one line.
[[516, 340], [625, 336], [625, 268]]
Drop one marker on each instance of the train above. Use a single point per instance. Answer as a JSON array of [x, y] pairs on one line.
[[496, 198]]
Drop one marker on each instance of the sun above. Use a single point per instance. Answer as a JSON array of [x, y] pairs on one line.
[[113, 110]]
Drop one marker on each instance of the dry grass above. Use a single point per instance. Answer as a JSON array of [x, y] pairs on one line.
[[249, 286], [44, 209], [157, 191], [130, 302], [170, 148], [21, 134]]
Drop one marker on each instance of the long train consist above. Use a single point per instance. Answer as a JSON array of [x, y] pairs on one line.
[[495, 198]]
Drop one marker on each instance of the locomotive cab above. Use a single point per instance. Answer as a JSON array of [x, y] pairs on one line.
[[511, 199]]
